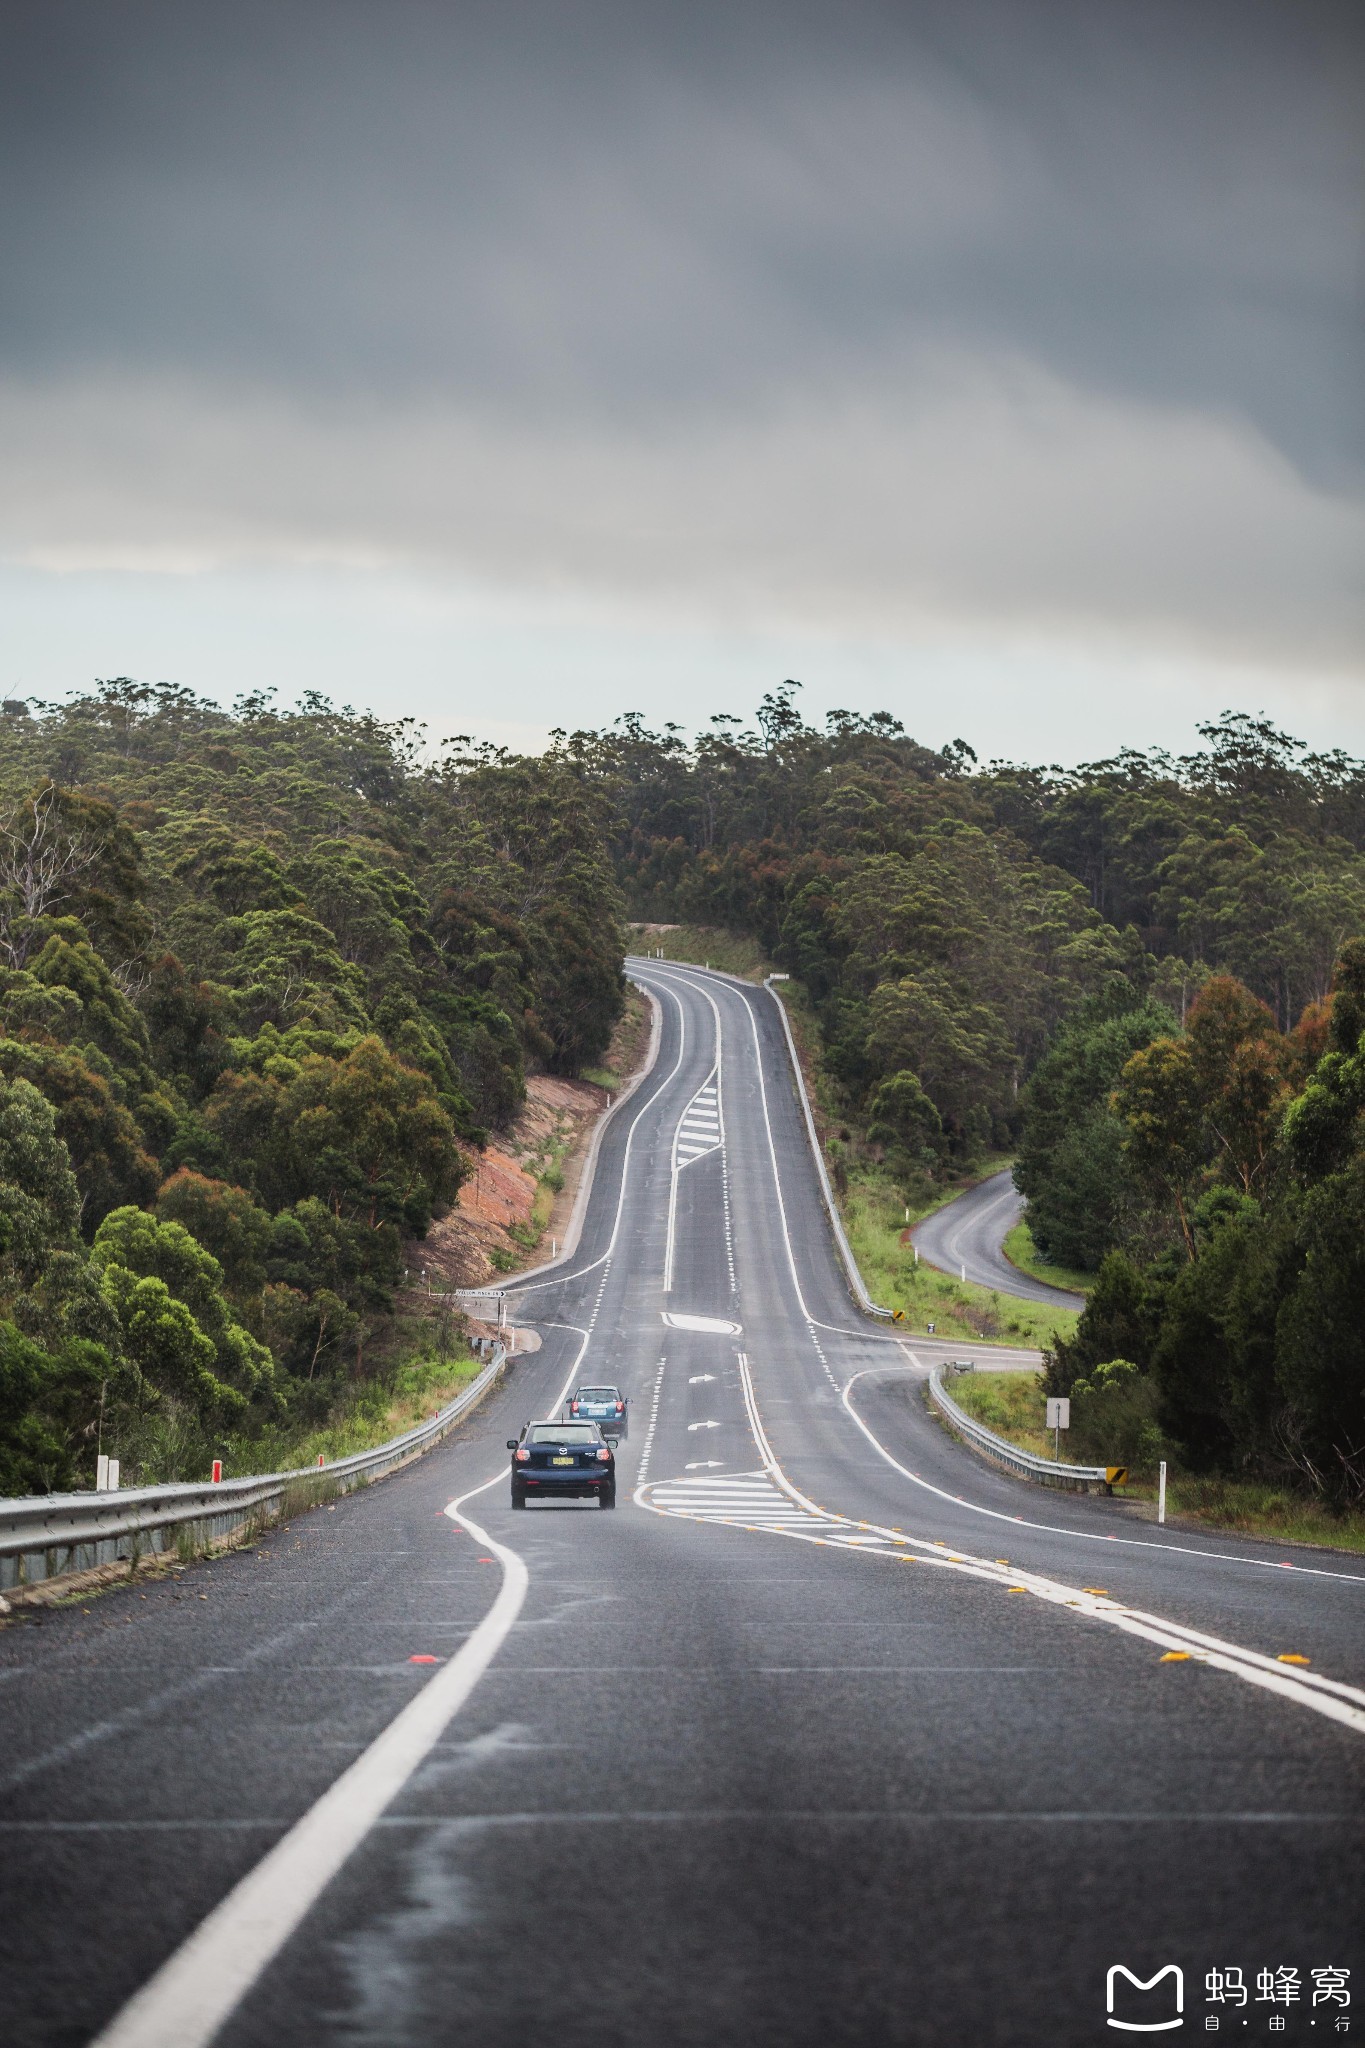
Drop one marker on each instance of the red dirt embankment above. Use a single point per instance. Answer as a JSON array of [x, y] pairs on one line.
[[475, 1242]]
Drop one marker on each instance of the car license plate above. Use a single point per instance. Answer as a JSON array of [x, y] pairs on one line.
[[561, 1461]]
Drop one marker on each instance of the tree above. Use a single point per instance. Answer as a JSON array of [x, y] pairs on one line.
[[47, 1409], [903, 1116], [101, 1135], [371, 1138], [177, 1329], [1070, 1163], [227, 1221], [1160, 1103], [1242, 1064]]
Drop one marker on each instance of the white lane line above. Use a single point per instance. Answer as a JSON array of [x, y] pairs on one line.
[[701, 1130], [193, 1994], [653, 1418], [814, 1324], [1260, 1564], [1331, 1698], [578, 1272]]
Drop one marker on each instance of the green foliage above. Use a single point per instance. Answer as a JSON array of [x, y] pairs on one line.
[[1071, 1163], [1113, 1418], [45, 1405], [275, 974], [904, 1119], [178, 1336], [226, 1221], [1118, 1321]]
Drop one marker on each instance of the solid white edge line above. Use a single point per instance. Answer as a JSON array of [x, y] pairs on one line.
[[1260, 1564], [516, 1288], [194, 1993], [1327, 1697], [190, 1998]]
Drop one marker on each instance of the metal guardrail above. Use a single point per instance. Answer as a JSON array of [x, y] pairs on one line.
[[1048, 1471], [857, 1285], [48, 1536]]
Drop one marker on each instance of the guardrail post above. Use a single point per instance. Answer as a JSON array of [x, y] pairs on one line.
[[1161, 1492], [102, 1472], [113, 1475]]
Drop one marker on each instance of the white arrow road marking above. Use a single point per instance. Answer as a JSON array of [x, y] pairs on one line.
[[702, 1425], [705, 1465], [699, 1379]]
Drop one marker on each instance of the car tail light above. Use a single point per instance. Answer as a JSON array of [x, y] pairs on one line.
[[620, 1407], [603, 1455], [523, 1456]]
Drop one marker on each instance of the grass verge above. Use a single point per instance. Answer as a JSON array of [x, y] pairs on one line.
[[627, 1048], [1012, 1404], [1022, 1252], [705, 945], [873, 1207], [370, 1413], [874, 1213]]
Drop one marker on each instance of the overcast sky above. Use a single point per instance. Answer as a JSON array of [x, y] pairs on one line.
[[999, 365]]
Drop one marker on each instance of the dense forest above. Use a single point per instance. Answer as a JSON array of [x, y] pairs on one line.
[[267, 979], [1143, 975]]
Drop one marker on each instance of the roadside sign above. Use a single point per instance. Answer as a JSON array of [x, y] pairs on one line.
[[1058, 1412], [1117, 1475], [898, 1315]]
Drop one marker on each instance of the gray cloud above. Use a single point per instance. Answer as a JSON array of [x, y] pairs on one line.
[[1042, 310]]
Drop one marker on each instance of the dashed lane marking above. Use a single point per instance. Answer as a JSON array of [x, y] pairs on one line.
[[804, 1520]]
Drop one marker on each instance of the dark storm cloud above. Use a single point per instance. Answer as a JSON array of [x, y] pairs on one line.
[[639, 216], [1035, 319]]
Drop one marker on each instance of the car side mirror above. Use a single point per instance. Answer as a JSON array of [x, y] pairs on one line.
[[511, 1443]]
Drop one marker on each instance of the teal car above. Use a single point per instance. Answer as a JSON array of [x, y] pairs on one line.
[[606, 1406]]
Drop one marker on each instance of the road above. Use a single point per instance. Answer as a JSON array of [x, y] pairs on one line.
[[966, 1235], [777, 1753]]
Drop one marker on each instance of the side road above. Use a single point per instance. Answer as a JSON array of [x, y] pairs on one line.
[[966, 1238]]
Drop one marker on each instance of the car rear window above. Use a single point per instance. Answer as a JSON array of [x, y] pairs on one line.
[[562, 1433], [598, 1394]]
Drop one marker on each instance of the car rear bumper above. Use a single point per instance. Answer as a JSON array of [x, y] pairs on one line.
[[573, 1483]]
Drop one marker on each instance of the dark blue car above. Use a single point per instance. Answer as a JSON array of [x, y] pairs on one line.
[[562, 1460]]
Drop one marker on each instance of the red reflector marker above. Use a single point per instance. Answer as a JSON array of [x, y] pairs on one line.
[[422, 1658]]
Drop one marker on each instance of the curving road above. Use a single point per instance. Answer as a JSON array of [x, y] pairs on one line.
[[966, 1236], [827, 1736]]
